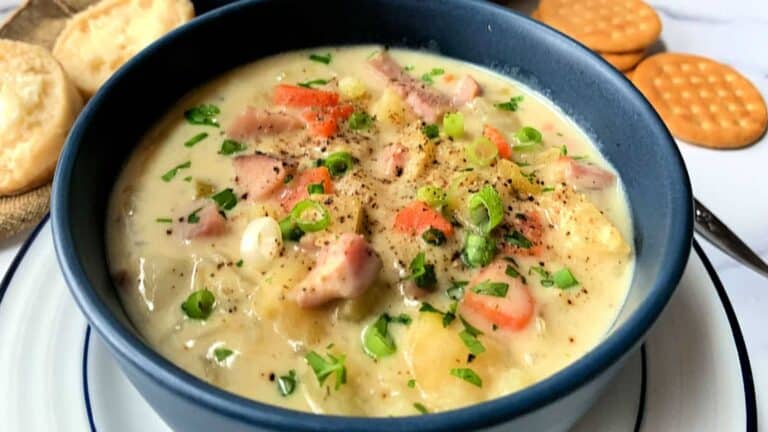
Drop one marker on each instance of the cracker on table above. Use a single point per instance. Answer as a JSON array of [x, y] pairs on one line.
[[702, 101], [612, 26], [623, 61]]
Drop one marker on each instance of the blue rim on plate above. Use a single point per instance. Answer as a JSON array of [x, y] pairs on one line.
[[620, 342]]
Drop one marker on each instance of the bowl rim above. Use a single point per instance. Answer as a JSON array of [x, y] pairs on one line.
[[131, 349]]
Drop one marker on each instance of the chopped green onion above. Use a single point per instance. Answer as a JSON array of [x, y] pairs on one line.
[[187, 179], [319, 216], [486, 209], [453, 125], [226, 199], [420, 408], [478, 250], [286, 384], [324, 368], [426, 307], [315, 188], [411, 383], [471, 342], [548, 189], [481, 152], [239, 263], [422, 272], [512, 105], [196, 139], [377, 342], [173, 171], [564, 150], [203, 115], [433, 236], [314, 82], [164, 220], [403, 318], [431, 131], [467, 375], [564, 279], [290, 230], [429, 76], [448, 317], [517, 239], [199, 304], [528, 139], [221, 354], [470, 328], [495, 289], [229, 147], [360, 120], [193, 218], [432, 195], [338, 163], [456, 290], [408, 67], [511, 272], [546, 277], [321, 58]]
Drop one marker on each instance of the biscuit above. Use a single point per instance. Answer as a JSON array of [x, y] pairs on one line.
[[536, 15], [702, 101], [38, 105], [100, 39], [611, 26], [623, 61]]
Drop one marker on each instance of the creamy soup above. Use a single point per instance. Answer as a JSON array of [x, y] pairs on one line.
[[366, 232]]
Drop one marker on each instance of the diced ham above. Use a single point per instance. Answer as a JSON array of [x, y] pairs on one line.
[[497, 315], [427, 103], [466, 90], [254, 122], [583, 176], [391, 161], [344, 269], [210, 223], [259, 175]]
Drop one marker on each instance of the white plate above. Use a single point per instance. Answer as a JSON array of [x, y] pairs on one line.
[[692, 374]]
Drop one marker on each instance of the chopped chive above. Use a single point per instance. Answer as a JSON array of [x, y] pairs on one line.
[[420, 408], [564, 279], [321, 58], [229, 147], [431, 131], [226, 199], [239, 263], [422, 272], [517, 239], [471, 342], [203, 115], [314, 82], [168, 176], [411, 383], [512, 105], [456, 290], [548, 189], [164, 220], [193, 218], [467, 375], [196, 139], [511, 272], [324, 368], [564, 150], [286, 384], [429, 76], [495, 289]]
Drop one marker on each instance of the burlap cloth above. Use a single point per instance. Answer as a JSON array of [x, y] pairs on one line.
[[38, 22]]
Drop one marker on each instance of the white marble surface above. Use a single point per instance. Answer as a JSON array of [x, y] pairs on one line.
[[733, 184]]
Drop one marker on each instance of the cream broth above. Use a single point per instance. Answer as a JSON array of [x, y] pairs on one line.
[[545, 296]]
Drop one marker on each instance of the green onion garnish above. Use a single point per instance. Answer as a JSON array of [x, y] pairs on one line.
[[481, 152], [453, 125], [528, 139], [324, 368], [517, 239], [203, 115], [377, 342], [512, 105], [193, 218], [456, 290], [315, 188], [564, 150], [290, 230], [314, 82], [471, 342], [433, 196], [199, 304], [511, 272], [431, 131], [429, 76], [321, 58], [433, 236], [221, 354], [467, 375], [422, 272], [564, 279], [175, 170], [229, 147], [360, 120], [226, 199], [239, 263], [196, 139], [164, 220], [495, 289], [478, 250], [448, 317], [486, 209], [338, 163], [286, 384], [420, 408], [319, 218], [411, 383], [546, 277]]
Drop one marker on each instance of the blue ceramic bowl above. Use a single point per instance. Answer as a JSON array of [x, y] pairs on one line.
[[599, 99]]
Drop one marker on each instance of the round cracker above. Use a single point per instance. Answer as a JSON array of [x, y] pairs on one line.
[[100, 39], [536, 15], [38, 105], [604, 25], [702, 101], [623, 61]]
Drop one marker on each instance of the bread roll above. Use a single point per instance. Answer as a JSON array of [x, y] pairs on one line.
[[38, 105], [100, 39]]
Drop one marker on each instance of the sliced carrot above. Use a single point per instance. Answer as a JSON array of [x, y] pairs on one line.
[[512, 312], [324, 122], [449, 77], [297, 189], [300, 97], [496, 137], [417, 217]]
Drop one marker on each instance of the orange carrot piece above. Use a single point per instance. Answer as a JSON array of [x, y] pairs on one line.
[[325, 122], [297, 189], [300, 97], [417, 217], [496, 137], [513, 312]]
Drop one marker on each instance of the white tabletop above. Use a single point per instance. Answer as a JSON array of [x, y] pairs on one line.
[[733, 184]]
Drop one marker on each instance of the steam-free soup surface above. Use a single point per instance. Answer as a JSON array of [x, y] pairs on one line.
[[362, 232]]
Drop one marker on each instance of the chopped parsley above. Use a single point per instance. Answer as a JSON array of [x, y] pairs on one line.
[[564, 279], [511, 272], [286, 384], [411, 383], [456, 290], [229, 147], [164, 220], [226, 199], [239, 263], [175, 170], [196, 139], [323, 368], [511, 105], [422, 272], [222, 354], [471, 342], [431, 131], [199, 304], [360, 120], [377, 342], [448, 316], [314, 82], [548, 189], [420, 408], [546, 277], [321, 58], [203, 115], [193, 218], [467, 375], [494, 289], [517, 239], [429, 76]]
